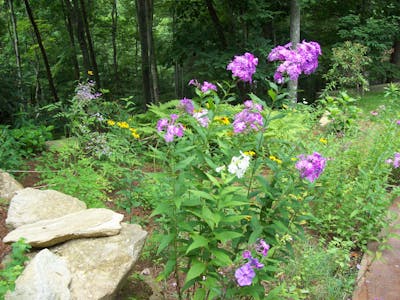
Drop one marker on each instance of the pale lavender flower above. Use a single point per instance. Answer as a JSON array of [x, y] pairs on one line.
[[243, 66], [395, 161], [187, 105], [374, 113], [85, 91], [202, 117], [262, 247], [194, 82], [303, 59], [248, 119], [398, 122], [311, 166], [171, 129], [207, 86], [244, 275]]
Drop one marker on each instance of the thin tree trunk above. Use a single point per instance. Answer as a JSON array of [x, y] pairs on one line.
[[295, 39], [90, 43], [217, 23], [67, 10], [80, 34], [151, 49], [114, 17], [16, 46], [142, 24], [42, 50]]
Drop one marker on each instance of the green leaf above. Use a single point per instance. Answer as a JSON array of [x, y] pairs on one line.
[[200, 294], [198, 242], [195, 270], [184, 163], [226, 236], [213, 180], [221, 258], [165, 241], [202, 194], [354, 213]]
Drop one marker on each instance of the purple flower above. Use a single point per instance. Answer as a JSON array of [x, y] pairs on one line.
[[395, 161], [244, 275], [187, 105], [243, 66], [85, 91], [171, 129], [374, 113], [311, 166], [303, 59], [246, 254], [202, 117], [262, 247], [398, 122], [207, 86], [255, 263], [249, 118]]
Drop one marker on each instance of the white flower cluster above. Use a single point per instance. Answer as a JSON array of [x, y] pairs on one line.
[[238, 165]]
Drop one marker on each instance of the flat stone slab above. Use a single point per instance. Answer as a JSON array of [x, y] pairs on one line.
[[99, 266], [32, 205], [46, 277], [8, 186], [94, 222], [379, 279]]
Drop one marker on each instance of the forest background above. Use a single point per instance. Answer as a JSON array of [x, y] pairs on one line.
[[146, 51]]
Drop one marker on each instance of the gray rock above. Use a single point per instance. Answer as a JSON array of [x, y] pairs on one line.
[[8, 186], [32, 205], [99, 266], [92, 222], [46, 277]]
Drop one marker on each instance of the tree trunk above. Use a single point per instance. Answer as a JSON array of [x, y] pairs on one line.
[[80, 34], [114, 17], [217, 23], [294, 39], [42, 50], [151, 49], [142, 24], [90, 43], [67, 10], [16, 47]]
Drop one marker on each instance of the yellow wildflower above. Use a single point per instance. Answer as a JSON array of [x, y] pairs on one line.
[[223, 120], [293, 159], [323, 141], [134, 133], [275, 159], [122, 125], [249, 153], [110, 123], [90, 72]]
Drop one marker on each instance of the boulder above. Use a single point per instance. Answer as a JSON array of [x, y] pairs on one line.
[[8, 186], [46, 277], [31, 205], [99, 266], [94, 222]]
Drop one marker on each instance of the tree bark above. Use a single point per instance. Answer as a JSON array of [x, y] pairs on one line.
[[114, 17], [42, 50], [90, 43], [142, 24], [16, 46], [67, 10], [152, 54], [80, 34], [217, 23], [294, 39]]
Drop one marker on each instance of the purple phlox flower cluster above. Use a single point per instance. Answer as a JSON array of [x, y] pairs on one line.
[[85, 91], [262, 247], [249, 118], [187, 105], [311, 166], [395, 161], [303, 59], [170, 127], [243, 66], [202, 117], [205, 87], [244, 275]]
